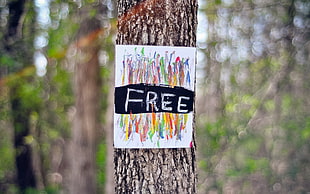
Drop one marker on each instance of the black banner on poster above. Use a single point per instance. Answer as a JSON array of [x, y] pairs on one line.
[[146, 98]]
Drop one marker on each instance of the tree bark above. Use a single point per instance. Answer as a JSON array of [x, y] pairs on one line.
[[166, 23], [23, 159], [15, 43], [86, 121], [109, 183]]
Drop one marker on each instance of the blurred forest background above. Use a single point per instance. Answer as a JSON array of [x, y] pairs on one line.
[[253, 88]]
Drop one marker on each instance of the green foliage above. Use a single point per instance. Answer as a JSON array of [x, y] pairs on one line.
[[217, 2], [58, 100], [48, 190], [212, 135], [30, 95], [101, 157], [7, 152], [7, 155], [6, 61], [305, 132], [259, 141], [60, 39], [49, 100], [250, 166]]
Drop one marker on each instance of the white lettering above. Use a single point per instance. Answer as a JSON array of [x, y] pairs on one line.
[[182, 105], [132, 100], [151, 101], [164, 103]]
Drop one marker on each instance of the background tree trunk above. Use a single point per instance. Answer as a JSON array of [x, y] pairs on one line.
[[86, 121], [166, 23], [109, 184], [18, 45]]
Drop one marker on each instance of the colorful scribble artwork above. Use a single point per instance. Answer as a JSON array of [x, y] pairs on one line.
[[154, 96]]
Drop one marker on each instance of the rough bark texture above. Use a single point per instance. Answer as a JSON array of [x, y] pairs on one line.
[[167, 23], [86, 121]]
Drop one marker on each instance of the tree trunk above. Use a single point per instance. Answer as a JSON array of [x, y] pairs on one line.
[[21, 122], [166, 23], [109, 183], [86, 121], [16, 40]]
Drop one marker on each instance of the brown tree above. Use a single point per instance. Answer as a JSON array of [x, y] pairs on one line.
[[86, 121], [18, 46], [166, 23]]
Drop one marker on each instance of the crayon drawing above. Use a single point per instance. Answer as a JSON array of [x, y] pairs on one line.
[[158, 126]]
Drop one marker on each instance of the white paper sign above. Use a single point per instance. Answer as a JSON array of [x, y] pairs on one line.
[[154, 96]]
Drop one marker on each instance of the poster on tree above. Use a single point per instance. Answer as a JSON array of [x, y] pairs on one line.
[[154, 96]]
